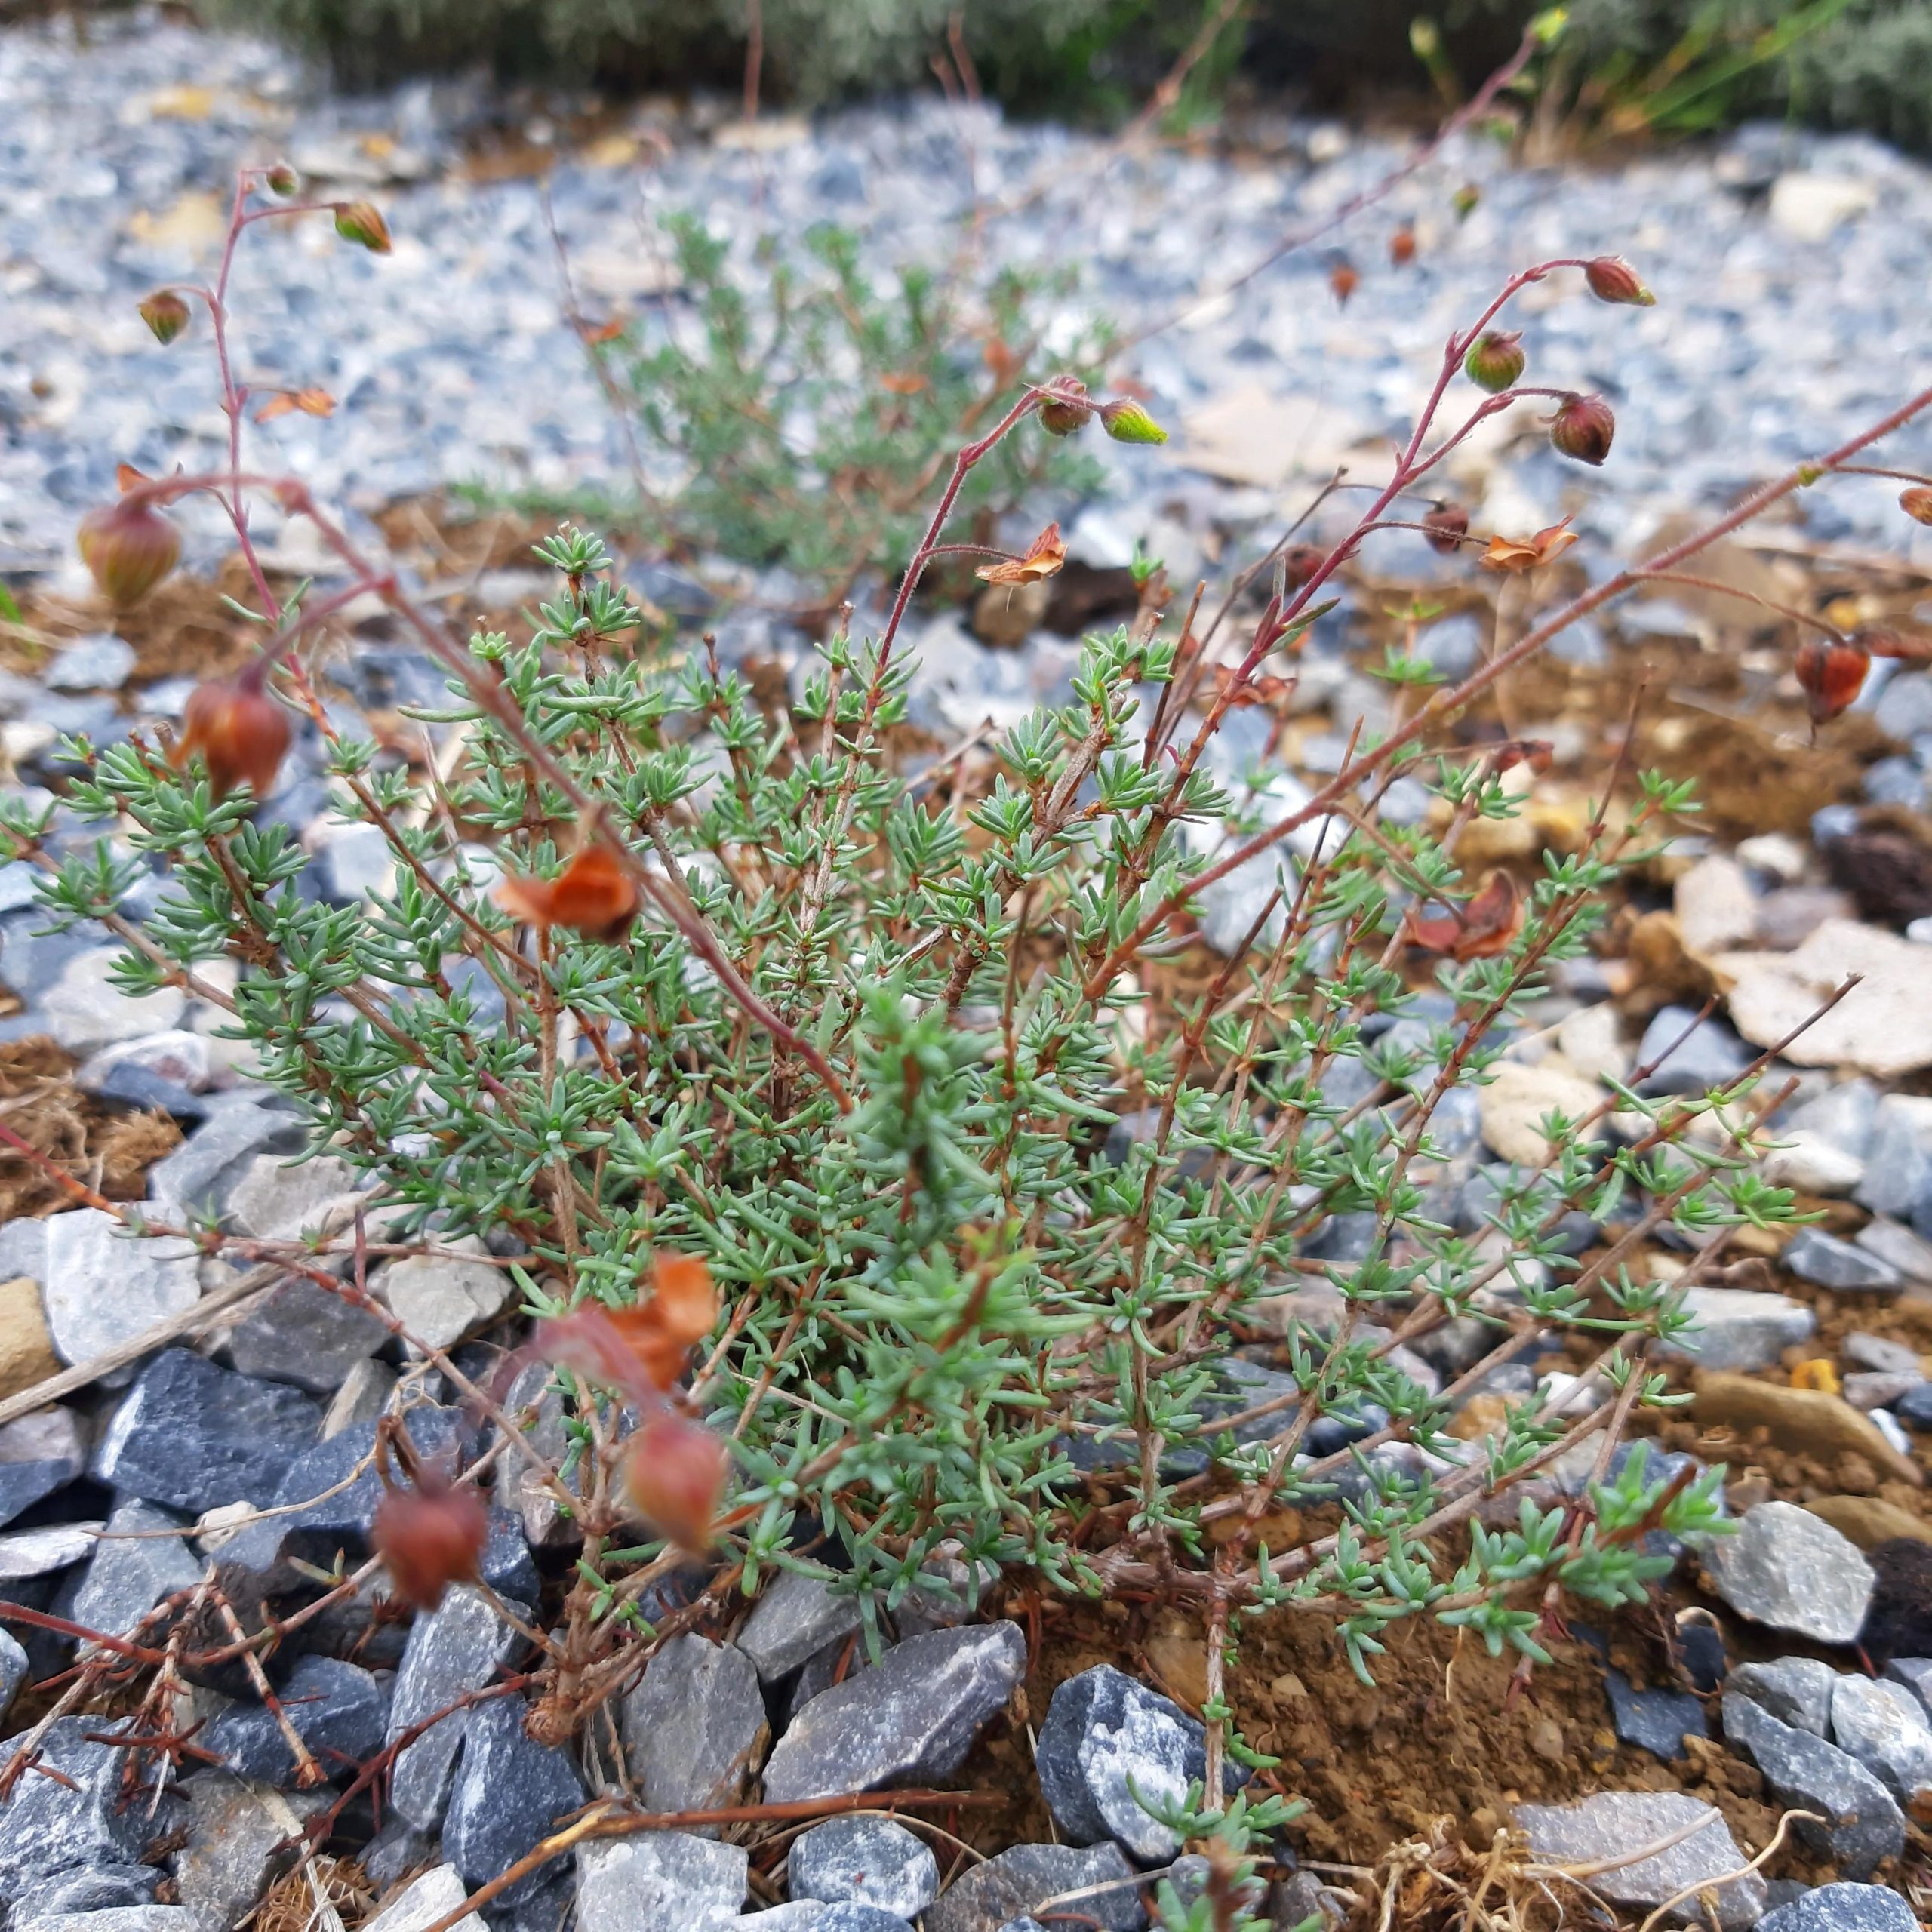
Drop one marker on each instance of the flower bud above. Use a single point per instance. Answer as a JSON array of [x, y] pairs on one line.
[[1613, 279], [675, 1475], [1495, 360], [1445, 527], [128, 548], [240, 731], [1583, 428], [1831, 673], [1128, 423], [1916, 502], [1066, 411], [165, 314], [1465, 200], [428, 1539], [283, 180], [1402, 247], [592, 895], [1343, 282], [361, 223]]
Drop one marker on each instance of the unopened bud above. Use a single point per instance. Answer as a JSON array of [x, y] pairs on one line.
[[128, 548], [1402, 247], [1465, 200], [1583, 428], [1128, 423], [1613, 279], [360, 222], [240, 731], [1495, 360], [283, 180], [1445, 527], [165, 314], [1065, 410], [1916, 502], [675, 1473], [1343, 282], [1831, 673], [428, 1539]]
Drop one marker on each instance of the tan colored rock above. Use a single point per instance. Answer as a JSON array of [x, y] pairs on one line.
[[1804, 1419], [26, 1349], [1884, 1025], [1715, 906], [1006, 615], [1869, 1520], [1252, 435], [1519, 1098]]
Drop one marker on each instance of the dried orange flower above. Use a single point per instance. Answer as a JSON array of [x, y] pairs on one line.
[[1831, 673], [1343, 282], [1402, 247], [675, 1472], [240, 732], [1515, 554], [430, 1538], [592, 895], [639, 1351], [1043, 560], [1480, 930]]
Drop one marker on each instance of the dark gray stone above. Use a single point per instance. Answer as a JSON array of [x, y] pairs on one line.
[[510, 1792], [1915, 1407], [453, 1649], [93, 1888], [912, 1719], [1826, 1262], [13, 1669], [237, 1845], [1105, 1738], [1915, 1674], [49, 1827], [1898, 1162], [868, 1861], [1795, 1690], [136, 1564], [197, 1176], [795, 1615], [856, 1918], [22, 1485], [1863, 1825], [1711, 1056], [1883, 1726], [1657, 1721], [1609, 1826], [302, 1334], [1018, 1882], [661, 1881], [195, 1436], [340, 1711], [1786, 1567], [1843, 1908], [694, 1728]]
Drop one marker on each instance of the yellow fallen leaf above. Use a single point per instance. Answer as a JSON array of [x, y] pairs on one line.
[[181, 103]]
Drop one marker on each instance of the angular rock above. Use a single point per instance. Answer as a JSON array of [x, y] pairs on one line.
[[423, 1901], [1843, 1908], [1790, 1569], [694, 1728], [662, 1881], [794, 1915], [1795, 1690], [1655, 1721], [1518, 1099], [1869, 1389], [1811, 1164], [1879, 1355], [1898, 1247], [1740, 1328], [1805, 1420], [510, 1790], [49, 1827], [857, 1917], [103, 1286], [1826, 1262], [1612, 1823], [27, 1347], [1105, 1733], [795, 1616], [868, 1861], [339, 1710], [912, 1719], [24, 1553], [362, 1396], [1915, 1674], [195, 1435], [1863, 1825], [1881, 1026], [117, 1918], [26, 1474], [179, 1058], [441, 1299], [236, 1847], [199, 1173], [1688, 1057], [85, 1011], [1914, 1406], [1019, 1881], [1898, 1157], [453, 1649], [135, 1565], [90, 1889], [1883, 1726], [277, 1200], [300, 1333]]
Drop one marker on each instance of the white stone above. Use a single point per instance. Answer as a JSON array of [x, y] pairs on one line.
[[1740, 1328], [104, 1287], [1781, 856], [666, 1882], [1811, 1164], [1884, 1025], [1809, 208], [1715, 905], [441, 1298], [86, 1012], [423, 1901], [176, 1055]]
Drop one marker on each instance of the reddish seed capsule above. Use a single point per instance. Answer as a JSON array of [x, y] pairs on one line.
[[240, 731], [1402, 247], [675, 1473], [362, 223], [128, 548], [1495, 360], [592, 895], [1583, 428], [1612, 279], [428, 1539], [1066, 411], [165, 314], [1343, 282], [1831, 673], [1445, 527], [1916, 502]]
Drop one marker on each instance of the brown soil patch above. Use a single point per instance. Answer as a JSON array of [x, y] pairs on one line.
[[107, 1149]]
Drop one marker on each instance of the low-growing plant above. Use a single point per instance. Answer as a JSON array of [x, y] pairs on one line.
[[1004, 1180]]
